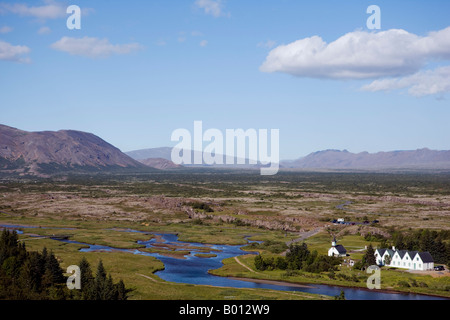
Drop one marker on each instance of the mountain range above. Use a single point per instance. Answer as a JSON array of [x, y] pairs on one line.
[[36, 152], [47, 152], [341, 160], [336, 159]]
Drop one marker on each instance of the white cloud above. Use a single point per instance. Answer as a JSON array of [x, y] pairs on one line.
[[196, 34], [269, 44], [44, 30], [203, 43], [359, 55], [50, 10], [93, 47], [423, 83], [5, 29], [13, 53], [211, 7], [161, 43]]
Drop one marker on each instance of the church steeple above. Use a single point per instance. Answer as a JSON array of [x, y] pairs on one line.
[[333, 243]]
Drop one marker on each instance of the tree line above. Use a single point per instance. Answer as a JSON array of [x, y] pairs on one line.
[[35, 275], [298, 257], [435, 242]]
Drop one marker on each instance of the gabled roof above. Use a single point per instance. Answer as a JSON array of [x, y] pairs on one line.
[[341, 249], [401, 253], [426, 257], [412, 254]]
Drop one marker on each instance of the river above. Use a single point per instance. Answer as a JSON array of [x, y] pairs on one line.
[[192, 269]]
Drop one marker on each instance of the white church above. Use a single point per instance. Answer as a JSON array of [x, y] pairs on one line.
[[412, 260], [337, 250]]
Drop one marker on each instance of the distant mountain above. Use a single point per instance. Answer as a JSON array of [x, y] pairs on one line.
[[37, 152], [166, 153], [152, 153], [336, 159], [159, 163]]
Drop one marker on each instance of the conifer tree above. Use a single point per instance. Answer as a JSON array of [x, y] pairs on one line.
[[87, 280], [54, 270], [100, 281], [369, 257], [122, 292]]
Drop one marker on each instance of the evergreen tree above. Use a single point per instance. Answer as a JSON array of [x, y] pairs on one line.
[[87, 280], [438, 251], [27, 278], [34, 275], [369, 257], [53, 270], [100, 282], [426, 241], [109, 292], [121, 291]]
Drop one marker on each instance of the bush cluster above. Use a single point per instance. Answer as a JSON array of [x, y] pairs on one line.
[[298, 257], [38, 276]]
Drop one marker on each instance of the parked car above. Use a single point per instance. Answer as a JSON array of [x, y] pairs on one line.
[[439, 268]]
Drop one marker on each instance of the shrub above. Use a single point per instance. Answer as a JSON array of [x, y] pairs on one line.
[[202, 206], [403, 284]]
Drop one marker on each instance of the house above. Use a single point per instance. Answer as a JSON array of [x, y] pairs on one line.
[[337, 250], [412, 260]]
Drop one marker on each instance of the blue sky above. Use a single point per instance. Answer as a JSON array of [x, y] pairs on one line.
[[138, 70]]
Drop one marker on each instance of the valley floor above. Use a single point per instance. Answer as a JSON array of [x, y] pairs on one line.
[[221, 208]]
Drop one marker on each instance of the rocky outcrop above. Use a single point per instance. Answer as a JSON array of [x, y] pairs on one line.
[[363, 231], [291, 224], [404, 200]]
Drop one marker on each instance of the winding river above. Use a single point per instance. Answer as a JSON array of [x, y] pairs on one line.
[[193, 268]]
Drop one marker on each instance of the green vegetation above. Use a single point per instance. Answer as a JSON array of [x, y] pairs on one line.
[[38, 276], [435, 242], [28, 275], [202, 206], [298, 257], [231, 207], [272, 246]]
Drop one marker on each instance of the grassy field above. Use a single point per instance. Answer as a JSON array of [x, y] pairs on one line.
[[244, 206], [136, 271]]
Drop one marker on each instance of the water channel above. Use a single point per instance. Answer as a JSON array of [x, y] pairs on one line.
[[193, 268]]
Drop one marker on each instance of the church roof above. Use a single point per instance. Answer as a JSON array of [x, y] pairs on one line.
[[340, 249]]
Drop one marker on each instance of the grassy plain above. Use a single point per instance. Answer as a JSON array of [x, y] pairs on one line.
[[291, 206]]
